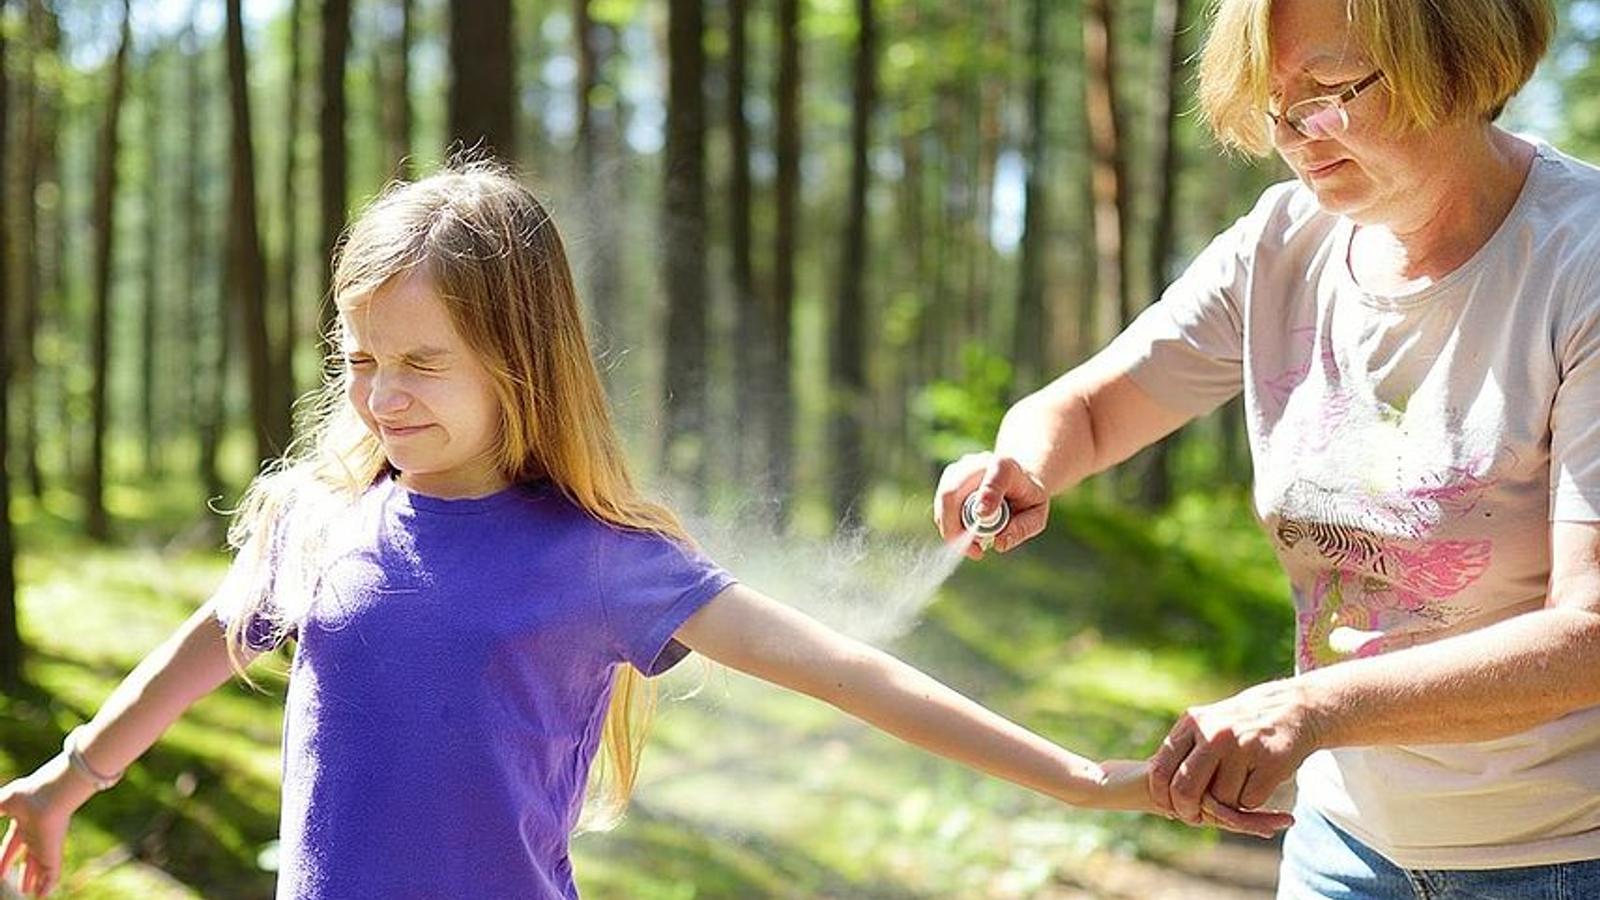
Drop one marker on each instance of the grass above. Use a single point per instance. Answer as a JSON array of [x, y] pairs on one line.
[[1097, 635]]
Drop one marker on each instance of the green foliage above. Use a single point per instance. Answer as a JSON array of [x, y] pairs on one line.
[[962, 416]]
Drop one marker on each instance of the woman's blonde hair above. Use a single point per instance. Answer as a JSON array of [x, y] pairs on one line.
[[495, 259], [1441, 61]]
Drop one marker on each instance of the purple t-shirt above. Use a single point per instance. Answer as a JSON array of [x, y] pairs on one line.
[[449, 684]]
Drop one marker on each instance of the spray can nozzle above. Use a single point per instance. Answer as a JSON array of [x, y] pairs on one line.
[[984, 528]]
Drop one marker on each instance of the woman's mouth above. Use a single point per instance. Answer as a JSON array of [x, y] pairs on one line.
[[1322, 169]]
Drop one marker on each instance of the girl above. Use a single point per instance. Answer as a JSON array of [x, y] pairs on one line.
[[476, 588]]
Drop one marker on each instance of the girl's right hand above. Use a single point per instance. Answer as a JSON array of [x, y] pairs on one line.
[[993, 478], [39, 806]]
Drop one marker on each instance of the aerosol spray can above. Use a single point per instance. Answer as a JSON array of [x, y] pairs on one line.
[[984, 528]]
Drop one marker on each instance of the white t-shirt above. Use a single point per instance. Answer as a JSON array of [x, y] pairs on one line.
[[1409, 454]]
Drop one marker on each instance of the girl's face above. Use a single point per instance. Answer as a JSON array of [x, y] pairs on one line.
[[422, 391], [1366, 172]]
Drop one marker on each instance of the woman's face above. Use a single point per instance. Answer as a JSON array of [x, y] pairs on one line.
[[1366, 172], [421, 390]]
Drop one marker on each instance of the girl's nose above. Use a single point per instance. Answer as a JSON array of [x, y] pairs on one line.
[[388, 396]]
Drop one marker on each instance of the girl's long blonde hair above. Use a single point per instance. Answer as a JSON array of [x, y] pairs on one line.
[[496, 261]]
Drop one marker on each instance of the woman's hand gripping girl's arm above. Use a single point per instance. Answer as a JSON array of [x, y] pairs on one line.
[[187, 666], [750, 632]]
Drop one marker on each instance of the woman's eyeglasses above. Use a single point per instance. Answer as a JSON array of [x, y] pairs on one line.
[[1320, 117]]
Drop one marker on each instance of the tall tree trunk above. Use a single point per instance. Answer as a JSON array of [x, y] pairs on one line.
[[1032, 322], [780, 441], [481, 81], [850, 466], [597, 174], [245, 267], [206, 348], [332, 150], [391, 76], [684, 247], [149, 334], [1109, 182], [286, 387], [98, 524], [37, 156], [1155, 489], [399, 104], [10, 635], [750, 327]]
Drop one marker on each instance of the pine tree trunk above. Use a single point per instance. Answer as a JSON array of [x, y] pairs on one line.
[[207, 351], [598, 173], [1032, 321], [37, 158], [97, 522], [684, 248], [10, 635], [850, 465], [750, 327], [289, 253], [780, 441], [481, 81], [149, 387], [1109, 182], [1155, 488], [246, 270], [332, 152], [400, 98]]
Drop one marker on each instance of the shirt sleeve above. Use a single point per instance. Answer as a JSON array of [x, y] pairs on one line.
[[649, 586], [1186, 350], [1575, 413]]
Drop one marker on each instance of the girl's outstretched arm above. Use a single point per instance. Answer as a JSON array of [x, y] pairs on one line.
[[748, 631], [187, 666]]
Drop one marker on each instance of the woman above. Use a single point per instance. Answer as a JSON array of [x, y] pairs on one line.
[[1414, 323]]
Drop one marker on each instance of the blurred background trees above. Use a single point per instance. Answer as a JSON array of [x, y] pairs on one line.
[[822, 244]]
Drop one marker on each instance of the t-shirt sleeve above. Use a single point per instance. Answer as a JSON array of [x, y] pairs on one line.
[[1186, 350], [1575, 413], [650, 585]]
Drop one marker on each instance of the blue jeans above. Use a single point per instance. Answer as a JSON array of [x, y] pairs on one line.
[[1320, 862]]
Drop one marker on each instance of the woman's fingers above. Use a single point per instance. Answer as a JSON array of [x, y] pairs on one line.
[[1173, 751], [1259, 823], [1192, 780], [957, 480]]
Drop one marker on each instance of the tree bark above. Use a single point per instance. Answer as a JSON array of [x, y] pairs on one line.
[[1155, 487], [1032, 321], [149, 387], [332, 150], [750, 327], [598, 175], [97, 522], [286, 387], [684, 247], [246, 271], [780, 441], [10, 635], [481, 80], [206, 348], [38, 153], [1109, 181], [850, 466]]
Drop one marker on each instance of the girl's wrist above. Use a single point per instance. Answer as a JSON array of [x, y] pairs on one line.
[[62, 785]]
